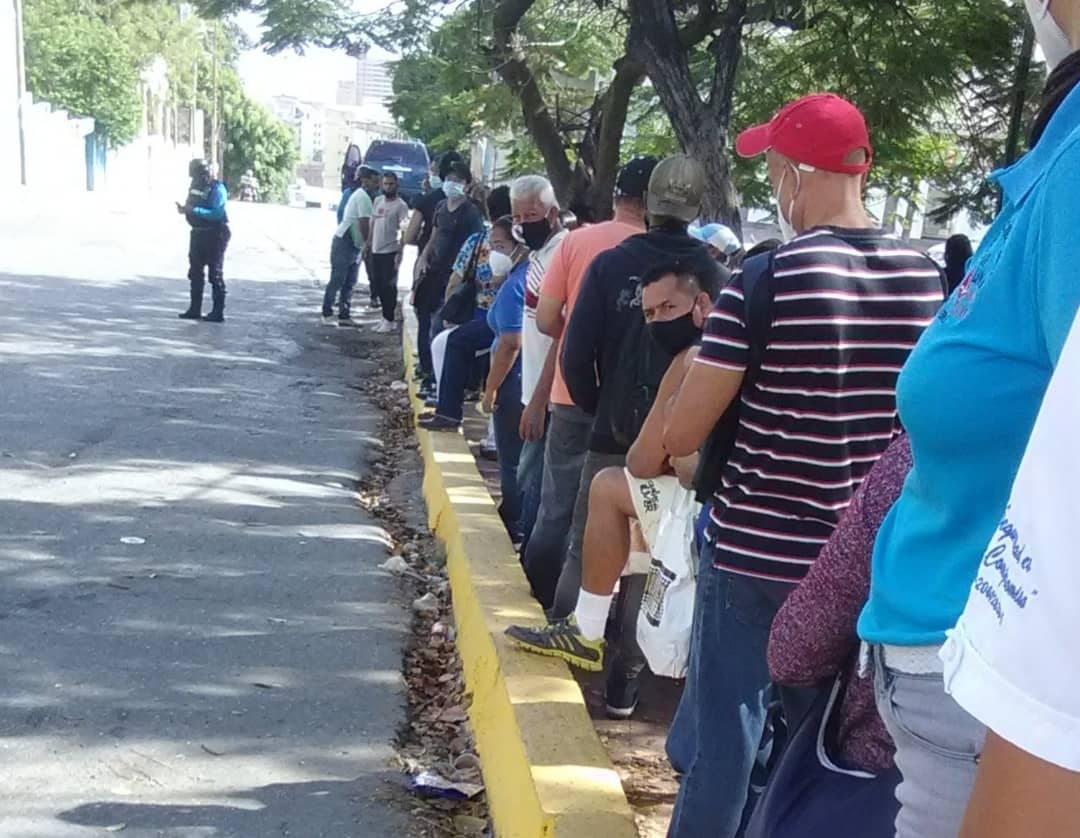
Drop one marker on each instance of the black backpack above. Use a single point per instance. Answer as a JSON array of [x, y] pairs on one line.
[[636, 379], [758, 294]]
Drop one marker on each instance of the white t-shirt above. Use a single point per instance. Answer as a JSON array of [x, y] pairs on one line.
[[535, 344], [388, 217], [359, 206], [1010, 661]]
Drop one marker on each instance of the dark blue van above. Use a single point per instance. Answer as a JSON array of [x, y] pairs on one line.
[[408, 160]]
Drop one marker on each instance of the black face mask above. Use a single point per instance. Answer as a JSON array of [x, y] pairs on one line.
[[675, 335], [535, 233]]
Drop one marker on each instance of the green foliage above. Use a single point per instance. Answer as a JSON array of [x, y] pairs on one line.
[[255, 139], [83, 65], [933, 76]]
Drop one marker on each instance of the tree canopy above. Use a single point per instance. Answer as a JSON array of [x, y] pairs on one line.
[[933, 76]]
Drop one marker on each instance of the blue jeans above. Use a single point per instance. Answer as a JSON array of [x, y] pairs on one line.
[[938, 745], [507, 419], [723, 711], [342, 265], [564, 458], [530, 481], [680, 740], [461, 348]]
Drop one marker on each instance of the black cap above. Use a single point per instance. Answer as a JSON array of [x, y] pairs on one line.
[[632, 181]]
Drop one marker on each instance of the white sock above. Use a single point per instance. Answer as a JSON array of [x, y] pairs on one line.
[[592, 613]]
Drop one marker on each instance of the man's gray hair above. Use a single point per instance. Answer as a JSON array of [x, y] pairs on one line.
[[534, 187]]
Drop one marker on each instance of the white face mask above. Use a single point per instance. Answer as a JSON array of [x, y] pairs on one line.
[[1054, 42], [453, 189], [787, 229], [500, 263], [435, 181]]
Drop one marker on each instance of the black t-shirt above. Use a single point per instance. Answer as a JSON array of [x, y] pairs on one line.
[[427, 204], [608, 302], [452, 228]]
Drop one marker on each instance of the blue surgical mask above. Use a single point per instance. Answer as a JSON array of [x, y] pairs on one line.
[[435, 181], [453, 189]]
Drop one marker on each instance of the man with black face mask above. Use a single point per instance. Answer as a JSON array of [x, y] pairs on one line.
[[675, 302], [612, 372]]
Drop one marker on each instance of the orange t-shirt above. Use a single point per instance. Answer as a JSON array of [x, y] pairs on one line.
[[569, 264]]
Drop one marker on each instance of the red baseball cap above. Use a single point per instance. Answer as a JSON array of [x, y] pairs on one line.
[[820, 130]]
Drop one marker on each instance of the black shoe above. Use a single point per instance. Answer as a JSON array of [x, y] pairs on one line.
[[621, 695], [217, 313], [439, 423], [194, 310]]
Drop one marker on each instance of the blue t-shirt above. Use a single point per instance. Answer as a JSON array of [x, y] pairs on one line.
[[508, 310], [970, 391]]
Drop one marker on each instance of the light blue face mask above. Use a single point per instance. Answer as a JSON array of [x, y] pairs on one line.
[[453, 189], [435, 181]]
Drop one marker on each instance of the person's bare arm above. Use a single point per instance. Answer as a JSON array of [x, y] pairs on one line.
[[647, 457], [550, 316], [412, 231], [455, 280], [686, 469], [695, 409], [1017, 795], [363, 226], [534, 417], [502, 361]]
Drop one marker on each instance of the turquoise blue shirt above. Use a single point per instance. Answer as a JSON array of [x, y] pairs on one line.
[[970, 391]]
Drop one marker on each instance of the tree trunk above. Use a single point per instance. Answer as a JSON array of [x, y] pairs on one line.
[[600, 152], [701, 127]]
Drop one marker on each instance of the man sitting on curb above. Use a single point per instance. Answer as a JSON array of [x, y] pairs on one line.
[[675, 302]]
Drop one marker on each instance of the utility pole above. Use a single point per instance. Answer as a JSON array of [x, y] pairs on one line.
[[20, 81]]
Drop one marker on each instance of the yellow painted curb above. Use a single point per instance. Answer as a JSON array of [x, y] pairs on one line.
[[547, 773]]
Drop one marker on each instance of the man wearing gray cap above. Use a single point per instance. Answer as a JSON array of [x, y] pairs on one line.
[[613, 370]]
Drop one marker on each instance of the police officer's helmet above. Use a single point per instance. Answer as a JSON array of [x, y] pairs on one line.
[[198, 168]]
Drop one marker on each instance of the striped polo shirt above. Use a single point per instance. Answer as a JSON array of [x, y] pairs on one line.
[[848, 307]]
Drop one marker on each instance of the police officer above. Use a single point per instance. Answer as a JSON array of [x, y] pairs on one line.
[[205, 212]]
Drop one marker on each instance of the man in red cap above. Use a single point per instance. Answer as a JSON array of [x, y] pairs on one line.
[[806, 345]]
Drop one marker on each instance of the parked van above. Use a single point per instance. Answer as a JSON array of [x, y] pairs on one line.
[[408, 160]]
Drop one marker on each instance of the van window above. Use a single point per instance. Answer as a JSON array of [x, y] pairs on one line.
[[401, 153]]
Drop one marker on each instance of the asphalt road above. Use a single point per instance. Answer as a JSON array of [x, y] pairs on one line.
[[195, 640]]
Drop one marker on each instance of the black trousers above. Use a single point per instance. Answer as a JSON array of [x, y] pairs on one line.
[[206, 254], [383, 275]]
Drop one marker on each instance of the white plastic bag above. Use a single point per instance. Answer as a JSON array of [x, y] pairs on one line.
[[667, 607]]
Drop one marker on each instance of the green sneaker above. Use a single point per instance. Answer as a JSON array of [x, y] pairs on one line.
[[561, 639]]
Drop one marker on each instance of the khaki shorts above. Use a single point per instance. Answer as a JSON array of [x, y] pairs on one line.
[[651, 497]]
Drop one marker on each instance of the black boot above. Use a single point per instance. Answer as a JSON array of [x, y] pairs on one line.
[[194, 311], [217, 313]]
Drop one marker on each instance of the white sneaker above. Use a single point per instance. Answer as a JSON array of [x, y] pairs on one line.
[[383, 327], [329, 321]]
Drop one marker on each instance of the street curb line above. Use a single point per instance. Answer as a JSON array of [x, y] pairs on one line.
[[547, 773]]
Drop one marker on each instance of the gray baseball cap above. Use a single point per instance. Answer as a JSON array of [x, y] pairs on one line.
[[676, 188]]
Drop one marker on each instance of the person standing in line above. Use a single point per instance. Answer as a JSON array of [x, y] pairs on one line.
[[456, 219], [958, 252], [371, 182], [509, 261], [848, 304], [205, 213], [605, 345], [569, 425], [969, 397], [537, 225], [422, 221], [350, 239], [389, 215]]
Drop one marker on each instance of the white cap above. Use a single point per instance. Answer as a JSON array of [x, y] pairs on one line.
[[719, 236]]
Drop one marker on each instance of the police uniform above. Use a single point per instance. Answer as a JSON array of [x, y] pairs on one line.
[[205, 212]]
